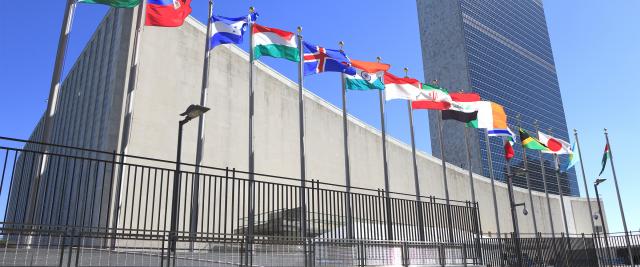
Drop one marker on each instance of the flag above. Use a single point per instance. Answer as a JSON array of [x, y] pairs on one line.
[[167, 13], [432, 97], [605, 157], [113, 3], [368, 75], [510, 135], [400, 88], [319, 59], [530, 142], [490, 116], [508, 150], [573, 158], [227, 30], [465, 97], [274, 42], [554, 145]]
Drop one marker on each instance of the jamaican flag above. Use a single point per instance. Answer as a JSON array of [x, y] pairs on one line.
[[530, 142]]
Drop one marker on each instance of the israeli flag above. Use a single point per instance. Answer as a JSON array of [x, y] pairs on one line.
[[227, 30]]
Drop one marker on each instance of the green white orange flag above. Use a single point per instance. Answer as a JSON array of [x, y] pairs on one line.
[[605, 158], [368, 75], [274, 42], [113, 3]]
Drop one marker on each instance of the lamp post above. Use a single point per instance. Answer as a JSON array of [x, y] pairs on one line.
[[514, 216], [604, 226], [192, 112]]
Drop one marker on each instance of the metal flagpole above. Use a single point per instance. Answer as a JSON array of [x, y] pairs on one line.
[[385, 169], [347, 169], [557, 168], [303, 173], [469, 165], [415, 173], [526, 171], [251, 205], [444, 176], [126, 133], [584, 180], [544, 182], [52, 101], [615, 180], [195, 195], [493, 183]]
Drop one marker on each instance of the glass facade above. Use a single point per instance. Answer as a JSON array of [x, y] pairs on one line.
[[509, 61]]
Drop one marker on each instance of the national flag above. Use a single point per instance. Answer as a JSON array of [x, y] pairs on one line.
[[167, 13], [465, 97], [318, 59], [530, 142], [113, 3], [508, 150], [554, 145], [490, 116], [368, 75], [461, 111], [274, 42], [432, 97], [605, 157], [400, 88], [227, 30], [573, 158]]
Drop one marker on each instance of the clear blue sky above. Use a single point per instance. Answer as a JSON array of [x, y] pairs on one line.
[[596, 47]]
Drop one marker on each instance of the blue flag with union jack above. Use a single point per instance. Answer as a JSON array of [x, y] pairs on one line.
[[319, 59]]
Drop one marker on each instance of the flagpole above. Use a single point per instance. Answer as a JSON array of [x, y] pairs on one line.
[[444, 176], [52, 101], [615, 180], [584, 180], [200, 143], [564, 212], [493, 183], [544, 182], [251, 205], [303, 173], [347, 169], [415, 172], [385, 169], [526, 171]]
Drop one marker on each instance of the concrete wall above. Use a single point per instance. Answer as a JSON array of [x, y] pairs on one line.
[[170, 75]]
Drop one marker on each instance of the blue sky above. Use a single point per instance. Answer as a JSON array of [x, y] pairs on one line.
[[596, 48]]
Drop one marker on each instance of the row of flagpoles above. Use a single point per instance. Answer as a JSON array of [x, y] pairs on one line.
[[355, 75]]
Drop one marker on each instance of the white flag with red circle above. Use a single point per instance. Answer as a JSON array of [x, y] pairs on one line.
[[555, 145]]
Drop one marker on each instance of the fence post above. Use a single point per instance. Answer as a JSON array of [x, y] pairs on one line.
[[405, 254], [464, 255], [441, 255], [361, 253]]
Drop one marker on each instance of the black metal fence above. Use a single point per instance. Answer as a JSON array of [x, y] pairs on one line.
[[131, 198]]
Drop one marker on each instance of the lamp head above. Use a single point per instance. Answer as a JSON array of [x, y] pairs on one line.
[[599, 181], [596, 217], [525, 212], [194, 111]]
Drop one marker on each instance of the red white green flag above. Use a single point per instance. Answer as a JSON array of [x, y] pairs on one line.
[[605, 157]]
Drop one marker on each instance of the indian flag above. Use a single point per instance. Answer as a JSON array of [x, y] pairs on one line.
[[113, 3], [274, 43], [368, 75]]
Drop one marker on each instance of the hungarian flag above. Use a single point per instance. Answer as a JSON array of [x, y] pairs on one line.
[[167, 13], [464, 107], [274, 42], [554, 145], [113, 3], [400, 88], [508, 150], [530, 142], [368, 75], [432, 97], [605, 157]]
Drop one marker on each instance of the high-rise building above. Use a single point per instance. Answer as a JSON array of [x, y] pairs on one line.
[[501, 50]]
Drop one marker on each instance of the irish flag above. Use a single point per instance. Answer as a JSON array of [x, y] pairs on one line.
[[400, 88], [274, 42], [113, 3], [368, 75]]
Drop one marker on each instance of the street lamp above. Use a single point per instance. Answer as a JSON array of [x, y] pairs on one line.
[[514, 216], [604, 227], [192, 112]]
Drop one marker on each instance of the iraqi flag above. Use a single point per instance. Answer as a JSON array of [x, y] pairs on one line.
[[400, 88], [555, 145], [167, 13]]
